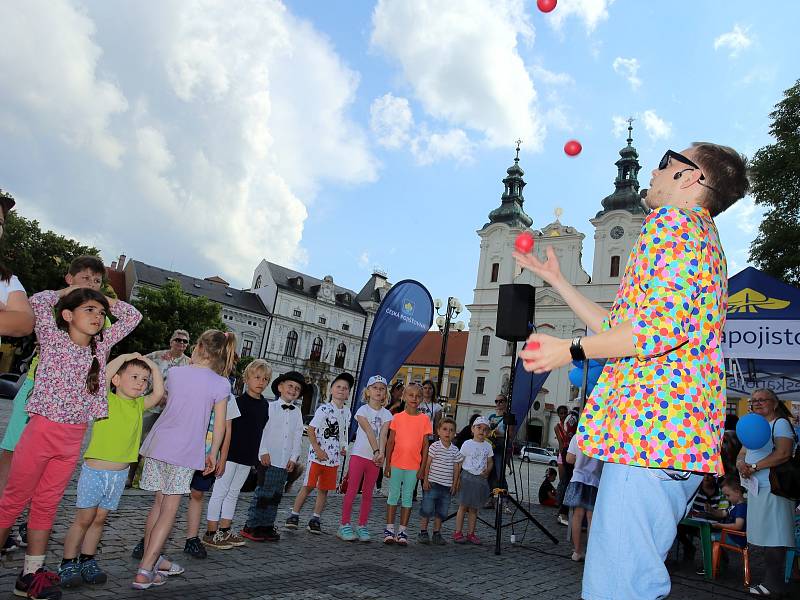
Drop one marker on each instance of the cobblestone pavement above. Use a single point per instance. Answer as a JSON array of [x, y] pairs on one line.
[[305, 566]]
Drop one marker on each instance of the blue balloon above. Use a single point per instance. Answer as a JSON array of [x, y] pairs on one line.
[[753, 431], [576, 376]]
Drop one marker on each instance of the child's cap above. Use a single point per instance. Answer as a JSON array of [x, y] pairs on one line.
[[376, 379], [481, 421]]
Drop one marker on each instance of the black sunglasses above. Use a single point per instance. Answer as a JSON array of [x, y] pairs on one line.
[[181, 341], [664, 163]]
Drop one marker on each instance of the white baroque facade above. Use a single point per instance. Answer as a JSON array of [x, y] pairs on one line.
[[487, 366]]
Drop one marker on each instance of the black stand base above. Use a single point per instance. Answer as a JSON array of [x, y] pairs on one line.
[[500, 496]]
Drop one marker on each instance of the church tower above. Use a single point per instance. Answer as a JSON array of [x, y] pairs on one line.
[[618, 224]]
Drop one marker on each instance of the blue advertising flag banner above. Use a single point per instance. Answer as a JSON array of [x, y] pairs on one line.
[[526, 387], [402, 320]]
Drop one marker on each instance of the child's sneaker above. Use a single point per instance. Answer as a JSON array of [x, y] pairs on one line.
[[234, 539], [314, 526], [216, 540], [363, 534], [40, 585], [269, 534], [194, 548], [459, 538], [401, 539], [292, 522], [423, 537], [92, 573], [388, 536], [138, 550], [70, 574], [253, 533], [346, 533], [474, 539], [437, 539]]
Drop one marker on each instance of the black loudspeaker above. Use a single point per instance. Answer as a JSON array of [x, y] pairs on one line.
[[516, 304]]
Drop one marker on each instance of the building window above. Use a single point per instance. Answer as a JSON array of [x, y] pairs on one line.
[[485, 345], [479, 383], [341, 353], [247, 347], [509, 348], [258, 282], [615, 266], [345, 327], [322, 320], [453, 389], [291, 344], [297, 313], [316, 349], [495, 271]]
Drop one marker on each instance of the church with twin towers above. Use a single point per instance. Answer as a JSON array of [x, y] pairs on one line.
[[487, 364]]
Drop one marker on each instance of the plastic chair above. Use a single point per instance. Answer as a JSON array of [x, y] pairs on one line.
[[723, 542], [791, 553]]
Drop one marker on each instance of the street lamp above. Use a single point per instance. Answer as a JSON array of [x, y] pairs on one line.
[[443, 322]]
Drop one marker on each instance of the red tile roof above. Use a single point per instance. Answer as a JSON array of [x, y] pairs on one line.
[[429, 350]]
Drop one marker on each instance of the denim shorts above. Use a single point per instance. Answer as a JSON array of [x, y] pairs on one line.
[[435, 501], [100, 488]]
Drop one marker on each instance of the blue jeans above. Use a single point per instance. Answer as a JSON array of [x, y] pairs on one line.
[[435, 502], [635, 520]]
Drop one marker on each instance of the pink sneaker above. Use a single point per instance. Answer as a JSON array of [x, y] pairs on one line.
[[474, 539], [459, 538]]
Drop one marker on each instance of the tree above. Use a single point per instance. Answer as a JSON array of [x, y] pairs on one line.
[[166, 309], [39, 258], [775, 179]]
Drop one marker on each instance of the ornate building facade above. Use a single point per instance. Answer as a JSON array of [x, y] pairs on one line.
[[488, 365]]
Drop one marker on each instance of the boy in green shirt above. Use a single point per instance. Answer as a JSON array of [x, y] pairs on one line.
[[113, 446]]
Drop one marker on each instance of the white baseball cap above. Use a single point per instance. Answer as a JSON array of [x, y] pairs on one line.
[[481, 421], [376, 379]]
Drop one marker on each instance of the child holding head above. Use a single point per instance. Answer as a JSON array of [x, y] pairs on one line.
[[245, 436], [366, 458], [114, 443], [440, 480], [67, 394], [175, 447], [406, 452], [474, 491]]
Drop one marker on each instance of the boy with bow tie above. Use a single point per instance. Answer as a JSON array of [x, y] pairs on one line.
[[279, 452]]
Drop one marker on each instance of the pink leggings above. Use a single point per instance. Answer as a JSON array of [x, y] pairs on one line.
[[359, 467], [43, 462]]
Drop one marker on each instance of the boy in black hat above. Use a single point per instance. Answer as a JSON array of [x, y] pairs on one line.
[[327, 436], [279, 452]]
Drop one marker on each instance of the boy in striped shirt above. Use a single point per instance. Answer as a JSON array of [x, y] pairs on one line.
[[440, 480]]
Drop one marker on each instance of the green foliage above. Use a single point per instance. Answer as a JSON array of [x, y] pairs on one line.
[[39, 258], [166, 309], [775, 179]]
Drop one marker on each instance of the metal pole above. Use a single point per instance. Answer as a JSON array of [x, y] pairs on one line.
[[448, 312]]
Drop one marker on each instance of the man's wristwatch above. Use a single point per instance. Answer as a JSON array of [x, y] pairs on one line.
[[576, 350], [754, 466]]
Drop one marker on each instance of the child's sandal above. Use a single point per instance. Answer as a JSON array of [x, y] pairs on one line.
[[154, 578], [174, 568]]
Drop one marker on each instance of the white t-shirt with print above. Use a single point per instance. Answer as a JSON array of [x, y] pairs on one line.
[[476, 456], [376, 419], [330, 427], [6, 287], [431, 409]]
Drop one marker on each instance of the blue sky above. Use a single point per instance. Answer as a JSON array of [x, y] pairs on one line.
[[338, 136]]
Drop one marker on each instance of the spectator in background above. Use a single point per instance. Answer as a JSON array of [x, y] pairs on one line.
[[547, 493], [396, 404], [466, 432]]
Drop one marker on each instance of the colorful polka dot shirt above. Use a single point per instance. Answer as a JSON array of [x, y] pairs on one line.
[[665, 406]]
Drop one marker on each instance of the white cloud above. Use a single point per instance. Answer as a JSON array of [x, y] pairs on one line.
[[656, 127], [391, 120], [591, 12], [363, 260], [628, 68], [462, 64], [66, 98], [432, 147], [222, 149], [735, 40], [540, 74], [619, 126]]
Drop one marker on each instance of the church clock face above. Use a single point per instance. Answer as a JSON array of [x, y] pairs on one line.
[[617, 232]]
